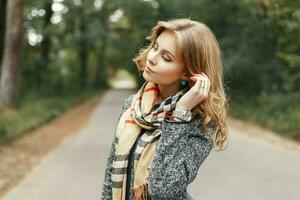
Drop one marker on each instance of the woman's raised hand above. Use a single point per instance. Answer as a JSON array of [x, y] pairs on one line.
[[197, 93]]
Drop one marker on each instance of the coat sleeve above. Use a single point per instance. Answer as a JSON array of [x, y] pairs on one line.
[[107, 184], [181, 150]]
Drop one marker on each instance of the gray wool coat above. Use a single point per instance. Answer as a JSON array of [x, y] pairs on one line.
[[180, 151]]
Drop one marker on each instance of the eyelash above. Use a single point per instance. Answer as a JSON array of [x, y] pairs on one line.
[[165, 59]]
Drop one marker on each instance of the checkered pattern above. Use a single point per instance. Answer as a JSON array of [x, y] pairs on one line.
[[145, 112]]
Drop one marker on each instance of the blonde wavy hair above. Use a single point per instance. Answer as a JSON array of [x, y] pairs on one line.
[[200, 52]]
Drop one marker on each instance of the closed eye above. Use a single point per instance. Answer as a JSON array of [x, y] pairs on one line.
[[155, 47], [166, 59]]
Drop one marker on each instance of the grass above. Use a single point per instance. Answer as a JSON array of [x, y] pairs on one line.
[[278, 112], [35, 111]]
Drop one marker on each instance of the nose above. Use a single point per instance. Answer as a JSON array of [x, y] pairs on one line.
[[152, 57]]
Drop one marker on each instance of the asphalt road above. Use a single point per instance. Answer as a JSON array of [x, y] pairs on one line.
[[248, 169]]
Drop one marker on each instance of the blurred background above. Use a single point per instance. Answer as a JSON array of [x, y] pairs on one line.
[[73, 48], [55, 54]]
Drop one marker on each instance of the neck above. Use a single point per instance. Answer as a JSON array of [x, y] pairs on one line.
[[166, 91]]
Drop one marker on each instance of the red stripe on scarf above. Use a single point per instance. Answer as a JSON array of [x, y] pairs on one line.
[[155, 88], [169, 113], [150, 89], [130, 121], [141, 192]]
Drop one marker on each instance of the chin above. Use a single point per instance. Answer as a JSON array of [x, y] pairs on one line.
[[146, 77], [149, 78]]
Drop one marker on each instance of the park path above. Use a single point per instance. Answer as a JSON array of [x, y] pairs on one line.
[[251, 168]]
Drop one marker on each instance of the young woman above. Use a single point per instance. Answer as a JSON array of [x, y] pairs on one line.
[[168, 128]]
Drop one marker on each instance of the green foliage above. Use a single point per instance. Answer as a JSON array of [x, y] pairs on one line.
[[93, 39], [37, 110], [277, 111], [3, 131]]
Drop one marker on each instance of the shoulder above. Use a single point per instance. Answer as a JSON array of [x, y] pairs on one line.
[[128, 100], [126, 103]]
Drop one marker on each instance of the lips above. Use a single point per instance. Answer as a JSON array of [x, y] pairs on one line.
[[148, 68]]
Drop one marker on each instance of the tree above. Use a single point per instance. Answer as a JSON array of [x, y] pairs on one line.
[[2, 25], [12, 51], [43, 63]]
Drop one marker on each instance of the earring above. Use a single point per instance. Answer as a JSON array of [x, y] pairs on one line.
[[183, 83]]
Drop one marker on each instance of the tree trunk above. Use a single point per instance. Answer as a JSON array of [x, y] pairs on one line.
[[83, 56], [100, 77], [2, 26], [12, 51]]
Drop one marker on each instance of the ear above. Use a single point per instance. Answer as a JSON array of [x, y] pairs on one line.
[[184, 74], [185, 77]]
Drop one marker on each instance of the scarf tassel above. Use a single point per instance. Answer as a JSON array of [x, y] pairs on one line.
[[141, 192]]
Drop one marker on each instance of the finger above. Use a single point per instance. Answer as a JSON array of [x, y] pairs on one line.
[[206, 77], [202, 77], [200, 88], [203, 87], [197, 84], [208, 83], [193, 79], [199, 77]]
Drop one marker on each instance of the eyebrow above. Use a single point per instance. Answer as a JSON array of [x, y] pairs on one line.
[[166, 51]]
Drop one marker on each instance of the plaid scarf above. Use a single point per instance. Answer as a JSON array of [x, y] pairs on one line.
[[145, 112]]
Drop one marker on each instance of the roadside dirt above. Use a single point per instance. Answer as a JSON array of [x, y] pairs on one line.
[[19, 157], [264, 135]]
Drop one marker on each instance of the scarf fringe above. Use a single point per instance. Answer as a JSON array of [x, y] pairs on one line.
[[141, 192]]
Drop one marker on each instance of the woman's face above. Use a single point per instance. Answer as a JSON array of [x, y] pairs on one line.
[[163, 65]]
